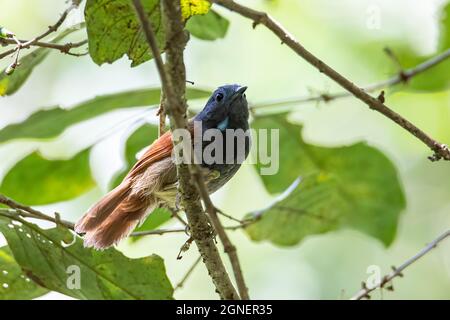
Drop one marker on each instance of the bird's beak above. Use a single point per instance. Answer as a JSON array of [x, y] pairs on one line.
[[238, 93]]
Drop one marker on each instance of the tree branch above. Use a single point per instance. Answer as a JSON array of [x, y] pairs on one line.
[[26, 211], [64, 48], [441, 151], [26, 44], [397, 272], [402, 77], [173, 80]]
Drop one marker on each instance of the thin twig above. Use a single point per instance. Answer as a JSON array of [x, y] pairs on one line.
[[441, 151], [64, 48], [397, 272], [51, 29], [29, 212], [183, 230], [402, 77], [173, 81], [188, 273], [228, 216], [156, 232], [177, 216]]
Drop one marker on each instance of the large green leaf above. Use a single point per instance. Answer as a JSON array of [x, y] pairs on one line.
[[210, 26], [49, 123], [35, 180], [114, 30], [354, 186], [9, 84], [55, 259], [14, 283]]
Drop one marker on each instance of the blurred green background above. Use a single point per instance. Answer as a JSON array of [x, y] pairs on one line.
[[342, 33]]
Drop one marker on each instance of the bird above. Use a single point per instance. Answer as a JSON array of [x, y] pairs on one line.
[[152, 181]]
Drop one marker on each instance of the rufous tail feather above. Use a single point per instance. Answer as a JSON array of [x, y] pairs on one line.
[[97, 214], [119, 224]]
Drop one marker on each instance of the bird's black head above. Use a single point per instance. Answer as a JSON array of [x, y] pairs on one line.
[[226, 108]]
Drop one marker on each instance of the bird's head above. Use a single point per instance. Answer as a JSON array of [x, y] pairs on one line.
[[227, 103]]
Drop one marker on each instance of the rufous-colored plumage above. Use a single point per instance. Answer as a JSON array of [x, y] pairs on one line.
[[123, 208]]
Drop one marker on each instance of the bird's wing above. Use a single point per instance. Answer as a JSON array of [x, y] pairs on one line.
[[160, 149]]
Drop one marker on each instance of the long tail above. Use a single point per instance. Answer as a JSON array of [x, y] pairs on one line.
[[113, 218], [97, 214]]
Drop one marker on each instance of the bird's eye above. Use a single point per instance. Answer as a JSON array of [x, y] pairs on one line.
[[219, 97]]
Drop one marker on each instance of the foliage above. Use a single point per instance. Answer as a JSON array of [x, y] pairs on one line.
[[9, 84], [48, 179], [14, 283], [210, 26], [113, 30], [49, 256], [352, 186]]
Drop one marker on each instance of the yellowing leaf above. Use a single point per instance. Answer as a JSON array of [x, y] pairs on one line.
[[191, 8], [4, 86]]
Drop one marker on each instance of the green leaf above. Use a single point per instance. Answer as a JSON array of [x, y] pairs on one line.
[[353, 186], [210, 26], [46, 124], [55, 259], [10, 84], [35, 180], [114, 30], [14, 284]]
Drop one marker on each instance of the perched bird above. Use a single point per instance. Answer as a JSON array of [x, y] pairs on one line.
[[152, 182]]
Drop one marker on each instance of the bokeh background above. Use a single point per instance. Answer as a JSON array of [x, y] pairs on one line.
[[328, 266]]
